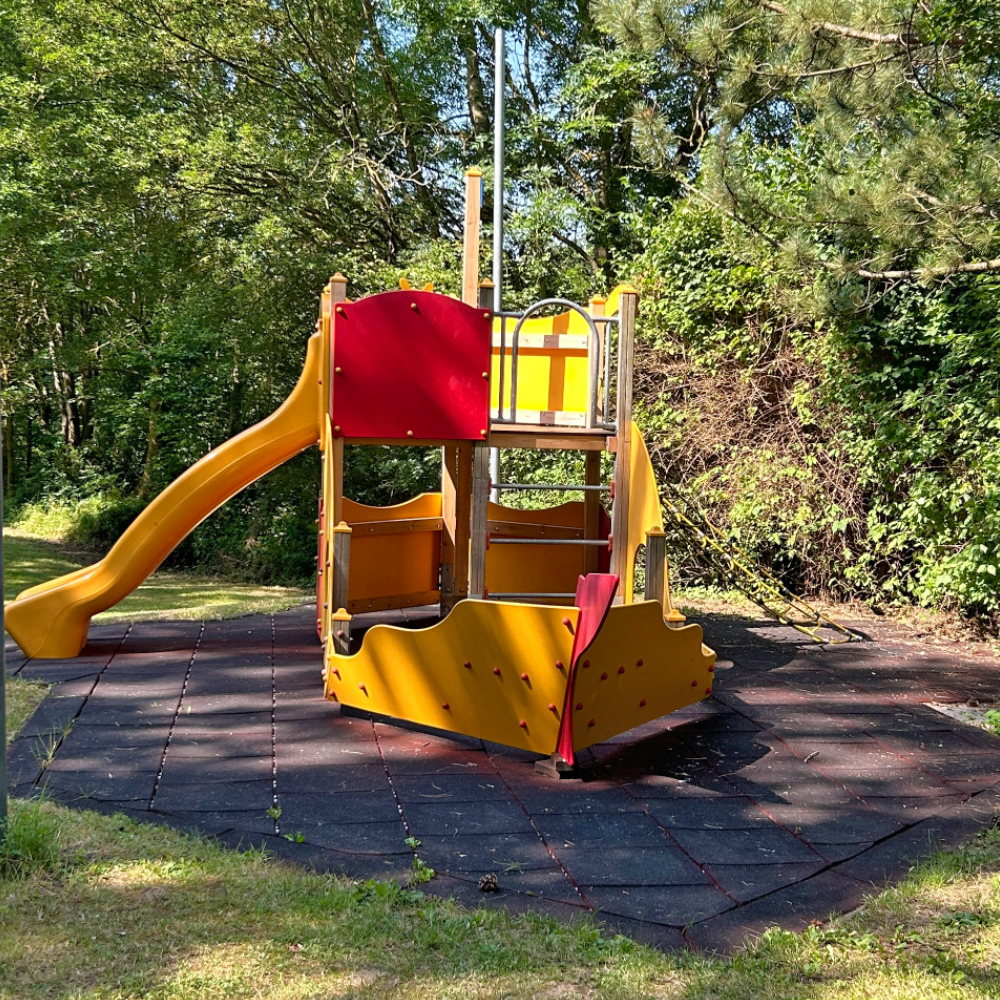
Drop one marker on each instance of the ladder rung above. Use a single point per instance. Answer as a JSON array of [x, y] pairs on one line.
[[550, 541], [548, 486]]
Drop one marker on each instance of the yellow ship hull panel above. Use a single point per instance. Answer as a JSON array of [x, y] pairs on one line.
[[488, 670]]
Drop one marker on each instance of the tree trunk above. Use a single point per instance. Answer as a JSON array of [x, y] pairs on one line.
[[152, 445], [474, 91], [412, 160]]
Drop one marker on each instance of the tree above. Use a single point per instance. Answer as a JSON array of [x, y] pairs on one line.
[[859, 138]]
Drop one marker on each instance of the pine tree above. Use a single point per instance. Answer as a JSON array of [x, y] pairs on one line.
[[858, 138]]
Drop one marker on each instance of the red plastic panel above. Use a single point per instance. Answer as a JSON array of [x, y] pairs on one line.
[[594, 594], [411, 365]]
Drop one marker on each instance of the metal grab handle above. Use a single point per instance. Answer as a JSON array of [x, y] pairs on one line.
[[548, 486]]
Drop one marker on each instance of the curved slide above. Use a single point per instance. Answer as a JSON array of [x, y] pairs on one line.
[[50, 621]]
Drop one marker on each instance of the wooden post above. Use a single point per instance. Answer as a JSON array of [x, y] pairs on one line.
[[336, 479], [456, 503], [658, 576], [597, 305], [341, 567], [480, 508], [470, 241], [623, 458], [656, 558], [591, 509], [340, 632]]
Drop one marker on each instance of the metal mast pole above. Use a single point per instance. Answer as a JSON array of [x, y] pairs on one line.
[[500, 63]]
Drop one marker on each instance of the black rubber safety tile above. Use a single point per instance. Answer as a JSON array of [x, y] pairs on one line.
[[201, 770], [84, 738], [625, 866], [215, 824], [906, 810], [54, 715], [474, 762], [540, 883], [119, 762], [794, 908], [97, 714], [227, 724], [765, 845], [361, 867], [331, 751], [895, 782], [460, 819], [236, 796], [328, 727], [485, 853], [228, 683], [674, 906], [583, 802], [45, 670], [669, 939], [26, 757], [239, 703], [746, 882], [99, 785], [423, 788], [305, 706], [339, 807], [331, 776], [661, 786], [853, 823], [708, 813], [250, 744], [835, 853], [599, 830], [387, 837]]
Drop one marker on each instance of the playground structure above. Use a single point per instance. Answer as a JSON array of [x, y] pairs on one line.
[[542, 644]]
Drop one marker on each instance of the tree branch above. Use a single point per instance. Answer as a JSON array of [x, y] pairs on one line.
[[846, 31]]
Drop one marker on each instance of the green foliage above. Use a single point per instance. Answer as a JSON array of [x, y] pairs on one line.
[[992, 717], [853, 453]]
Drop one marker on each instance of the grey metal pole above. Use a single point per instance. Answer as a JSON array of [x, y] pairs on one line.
[[500, 64], [3, 668]]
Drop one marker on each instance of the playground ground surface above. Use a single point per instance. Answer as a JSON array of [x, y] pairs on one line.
[[813, 776]]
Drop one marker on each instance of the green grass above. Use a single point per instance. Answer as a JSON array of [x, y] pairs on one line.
[[30, 560], [100, 908], [23, 697]]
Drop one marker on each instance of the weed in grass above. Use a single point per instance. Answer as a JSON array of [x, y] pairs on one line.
[[45, 752], [992, 719], [422, 872], [29, 842]]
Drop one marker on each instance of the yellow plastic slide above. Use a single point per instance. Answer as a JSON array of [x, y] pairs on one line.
[[51, 620]]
